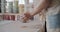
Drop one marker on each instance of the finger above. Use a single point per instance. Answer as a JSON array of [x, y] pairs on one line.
[[25, 19]]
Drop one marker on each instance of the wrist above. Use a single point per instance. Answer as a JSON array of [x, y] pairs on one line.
[[32, 14]]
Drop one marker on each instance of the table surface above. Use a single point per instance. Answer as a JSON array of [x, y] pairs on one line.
[[18, 26]]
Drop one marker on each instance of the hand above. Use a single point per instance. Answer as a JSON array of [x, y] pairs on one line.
[[27, 16]]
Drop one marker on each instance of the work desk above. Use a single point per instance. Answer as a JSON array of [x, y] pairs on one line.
[[17, 26]]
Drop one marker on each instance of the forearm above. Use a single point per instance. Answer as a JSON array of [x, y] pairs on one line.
[[42, 6]]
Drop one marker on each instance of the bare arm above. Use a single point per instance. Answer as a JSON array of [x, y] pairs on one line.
[[41, 6]]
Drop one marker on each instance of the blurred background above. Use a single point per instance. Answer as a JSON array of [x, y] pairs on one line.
[[10, 9]]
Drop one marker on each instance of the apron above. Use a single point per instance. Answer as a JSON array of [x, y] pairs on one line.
[[53, 17]]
